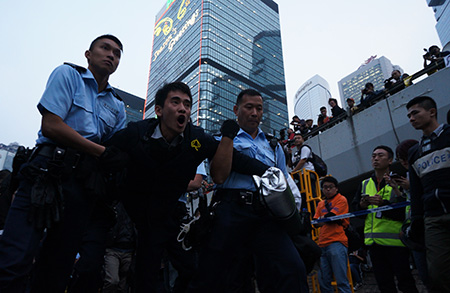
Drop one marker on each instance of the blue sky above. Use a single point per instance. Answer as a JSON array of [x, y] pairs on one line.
[[330, 38]]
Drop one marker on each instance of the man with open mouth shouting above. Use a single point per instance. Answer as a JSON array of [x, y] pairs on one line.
[[164, 153]]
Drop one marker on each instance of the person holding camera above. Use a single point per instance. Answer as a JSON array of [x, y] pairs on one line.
[[369, 94], [433, 54], [395, 83], [296, 123], [389, 255]]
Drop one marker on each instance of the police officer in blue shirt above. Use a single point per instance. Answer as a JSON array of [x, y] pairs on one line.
[[60, 183], [242, 226]]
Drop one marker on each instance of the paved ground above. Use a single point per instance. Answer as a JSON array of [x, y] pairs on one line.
[[370, 285]]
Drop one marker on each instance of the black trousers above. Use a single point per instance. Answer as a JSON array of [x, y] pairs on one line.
[[20, 242], [240, 231], [153, 239], [390, 261]]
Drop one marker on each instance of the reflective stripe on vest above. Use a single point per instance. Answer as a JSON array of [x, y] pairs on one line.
[[378, 229]]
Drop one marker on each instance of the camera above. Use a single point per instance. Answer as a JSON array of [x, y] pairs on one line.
[[394, 175], [427, 54], [290, 142]]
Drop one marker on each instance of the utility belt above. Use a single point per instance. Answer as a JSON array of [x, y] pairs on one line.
[[69, 162], [242, 196], [70, 157]]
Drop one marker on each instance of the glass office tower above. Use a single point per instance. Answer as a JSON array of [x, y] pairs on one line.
[[311, 96], [374, 71], [441, 10], [220, 47]]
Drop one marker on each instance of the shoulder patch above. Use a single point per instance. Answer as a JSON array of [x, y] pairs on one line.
[[78, 68]]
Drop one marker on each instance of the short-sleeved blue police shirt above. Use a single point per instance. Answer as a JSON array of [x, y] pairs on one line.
[[74, 97], [257, 148]]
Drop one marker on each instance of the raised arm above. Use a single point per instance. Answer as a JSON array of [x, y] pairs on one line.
[[54, 128]]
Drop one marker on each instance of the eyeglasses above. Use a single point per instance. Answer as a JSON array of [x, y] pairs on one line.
[[328, 187]]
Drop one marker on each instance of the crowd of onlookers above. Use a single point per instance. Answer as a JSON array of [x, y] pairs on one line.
[[396, 240], [369, 95]]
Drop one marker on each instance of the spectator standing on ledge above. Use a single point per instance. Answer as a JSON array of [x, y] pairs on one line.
[[396, 80], [429, 171], [323, 118], [369, 95], [296, 123], [332, 238], [433, 54], [351, 105], [309, 125], [335, 109]]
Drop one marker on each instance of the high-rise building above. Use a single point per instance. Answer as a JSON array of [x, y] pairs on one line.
[[374, 70], [310, 97], [218, 48], [134, 106], [441, 10]]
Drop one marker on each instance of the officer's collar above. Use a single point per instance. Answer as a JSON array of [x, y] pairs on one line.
[[435, 133], [88, 75], [243, 132]]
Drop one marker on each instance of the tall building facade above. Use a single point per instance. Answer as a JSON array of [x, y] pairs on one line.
[[218, 48], [310, 97], [134, 106], [441, 10], [374, 70]]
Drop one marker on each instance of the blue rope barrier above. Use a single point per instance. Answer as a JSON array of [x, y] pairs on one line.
[[363, 212]]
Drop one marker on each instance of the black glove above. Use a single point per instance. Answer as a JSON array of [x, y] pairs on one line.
[[229, 128], [113, 159]]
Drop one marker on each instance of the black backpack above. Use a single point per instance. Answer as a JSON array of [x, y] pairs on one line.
[[319, 165]]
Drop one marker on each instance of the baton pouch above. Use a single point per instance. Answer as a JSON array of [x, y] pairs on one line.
[[47, 201]]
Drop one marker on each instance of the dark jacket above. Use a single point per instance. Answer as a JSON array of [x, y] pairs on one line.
[[123, 234], [429, 173], [157, 175], [336, 111]]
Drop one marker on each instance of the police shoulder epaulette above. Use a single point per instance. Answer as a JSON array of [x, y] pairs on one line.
[[78, 68], [116, 95]]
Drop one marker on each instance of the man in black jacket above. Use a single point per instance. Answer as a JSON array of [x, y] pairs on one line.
[[336, 111], [429, 173], [163, 157]]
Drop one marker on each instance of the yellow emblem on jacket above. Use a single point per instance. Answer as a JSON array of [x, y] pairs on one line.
[[195, 144]]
